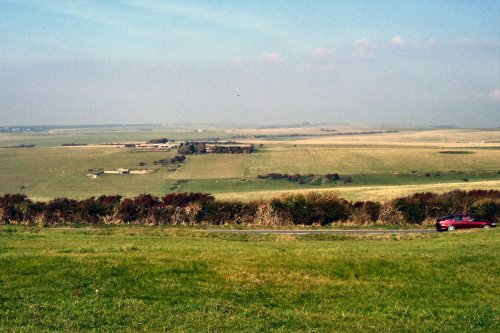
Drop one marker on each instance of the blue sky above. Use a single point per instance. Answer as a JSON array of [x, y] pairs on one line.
[[423, 62]]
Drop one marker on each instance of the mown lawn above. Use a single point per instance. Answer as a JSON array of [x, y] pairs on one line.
[[131, 279]]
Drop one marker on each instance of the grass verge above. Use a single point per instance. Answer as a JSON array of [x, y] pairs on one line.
[[183, 280]]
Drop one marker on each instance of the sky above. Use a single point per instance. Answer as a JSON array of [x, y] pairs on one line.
[[250, 62]]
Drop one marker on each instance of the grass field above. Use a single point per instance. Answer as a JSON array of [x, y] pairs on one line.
[[408, 161], [88, 137], [362, 193], [352, 160], [181, 280], [45, 173], [58, 172]]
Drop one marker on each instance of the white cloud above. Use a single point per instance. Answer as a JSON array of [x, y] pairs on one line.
[[322, 52], [269, 57], [238, 60], [431, 41], [304, 67], [495, 94], [466, 41], [363, 42], [364, 48], [330, 68], [398, 40]]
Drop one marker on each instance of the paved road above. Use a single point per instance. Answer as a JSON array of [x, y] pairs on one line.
[[307, 232], [293, 232]]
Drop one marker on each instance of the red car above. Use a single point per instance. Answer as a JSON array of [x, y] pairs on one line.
[[462, 221]]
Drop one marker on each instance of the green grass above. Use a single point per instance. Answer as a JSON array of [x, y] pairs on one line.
[[367, 166], [238, 185], [59, 172], [89, 137], [353, 160], [178, 279], [366, 160], [49, 170], [44, 173]]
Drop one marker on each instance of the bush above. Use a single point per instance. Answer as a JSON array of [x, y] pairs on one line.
[[184, 199], [372, 210], [413, 210], [486, 208], [62, 210], [227, 212], [390, 215], [312, 208]]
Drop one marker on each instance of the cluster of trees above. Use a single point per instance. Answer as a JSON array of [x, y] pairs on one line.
[[232, 149], [21, 146], [162, 140], [201, 148], [202, 208], [192, 148], [173, 160], [309, 178]]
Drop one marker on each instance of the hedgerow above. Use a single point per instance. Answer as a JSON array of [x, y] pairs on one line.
[[202, 208]]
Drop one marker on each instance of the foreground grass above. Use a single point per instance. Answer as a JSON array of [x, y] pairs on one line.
[[180, 279]]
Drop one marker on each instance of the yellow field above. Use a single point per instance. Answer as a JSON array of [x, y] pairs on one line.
[[437, 138], [375, 193]]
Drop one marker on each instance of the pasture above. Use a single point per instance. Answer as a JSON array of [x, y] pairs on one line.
[[57, 138], [61, 171], [407, 160], [190, 280]]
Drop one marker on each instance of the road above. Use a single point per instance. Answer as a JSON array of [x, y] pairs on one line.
[[294, 232], [308, 232]]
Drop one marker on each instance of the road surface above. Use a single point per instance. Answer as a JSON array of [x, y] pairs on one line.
[[308, 232]]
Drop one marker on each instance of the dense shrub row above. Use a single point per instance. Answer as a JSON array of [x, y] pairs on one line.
[[203, 148], [296, 209], [309, 178], [232, 149], [173, 160]]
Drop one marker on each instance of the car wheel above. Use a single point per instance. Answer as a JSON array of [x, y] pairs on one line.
[[486, 226], [451, 228]]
